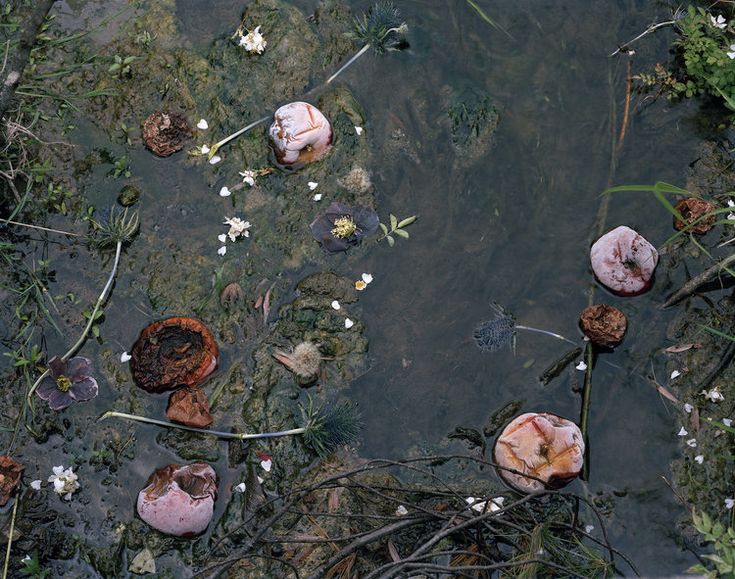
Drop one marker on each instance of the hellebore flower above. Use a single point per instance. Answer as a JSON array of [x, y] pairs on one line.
[[545, 446], [340, 227], [179, 500], [69, 382]]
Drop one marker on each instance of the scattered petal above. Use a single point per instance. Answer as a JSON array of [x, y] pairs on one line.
[[203, 124], [222, 237], [358, 130], [589, 528], [215, 159], [731, 55], [125, 357], [222, 250], [253, 41], [248, 177], [266, 465], [699, 458], [360, 285], [317, 197], [238, 227], [204, 149], [688, 408], [692, 442], [312, 185], [36, 485], [727, 421], [336, 305], [261, 480], [581, 366], [240, 488], [730, 203], [714, 395], [367, 278], [225, 192], [675, 374], [682, 432], [401, 511], [729, 503], [349, 323]]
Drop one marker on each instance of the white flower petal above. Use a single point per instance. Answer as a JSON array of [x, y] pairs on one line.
[[260, 480], [358, 130], [336, 305], [367, 278], [675, 374], [349, 323], [222, 237], [266, 465], [699, 458], [215, 159], [727, 421], [312, 185], [692, 442], [225, 192], [688, 408], [730, 203], [204, 149], [401, 511], [729, 503], [317, 197], [682, 432], [240, 488], [589, 528], [581, 366], [203, 124], [36, 485], [222, 250], [125, 357]]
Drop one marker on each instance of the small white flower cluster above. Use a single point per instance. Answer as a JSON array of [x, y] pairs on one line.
[[731, 204], [362, 283], [238, 228], [253, 41], [64, 481], [248, 176], [718, 22]]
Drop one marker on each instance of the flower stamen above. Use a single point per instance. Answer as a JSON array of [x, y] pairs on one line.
[[63, 383], [344, 227]]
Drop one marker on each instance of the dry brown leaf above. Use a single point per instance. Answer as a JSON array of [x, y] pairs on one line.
[[393, 552], [665, 392], [682, 348], [333, 497], [694, 420]]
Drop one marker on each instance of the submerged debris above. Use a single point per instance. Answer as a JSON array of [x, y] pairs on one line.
[[10, 473], [304, 361], [693, 209], [165, 133], [604, 325], [492, 335], [189, 406], [179, 500], [542, 445], [171, 353]]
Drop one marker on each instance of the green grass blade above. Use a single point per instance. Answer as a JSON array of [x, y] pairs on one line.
[[486, 18], [712, 330]]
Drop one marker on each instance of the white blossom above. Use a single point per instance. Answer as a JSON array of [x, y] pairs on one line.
[[248, 176], [714, 395], [731, 53], [718, 22], [253, 41], [238, 227], [64, 481]]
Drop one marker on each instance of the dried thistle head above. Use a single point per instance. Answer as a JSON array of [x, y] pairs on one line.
[[492, 335], [304, 361], [116, 226], [382, 28]]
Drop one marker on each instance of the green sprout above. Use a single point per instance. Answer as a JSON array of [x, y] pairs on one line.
[[396, 228], [325, 428]]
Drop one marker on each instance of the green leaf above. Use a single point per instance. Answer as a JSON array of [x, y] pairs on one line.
[[393, 221], [391, 241], [401, 232], [406, 221], [384, 228]]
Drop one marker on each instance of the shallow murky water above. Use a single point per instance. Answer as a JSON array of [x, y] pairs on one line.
[[511, 226]]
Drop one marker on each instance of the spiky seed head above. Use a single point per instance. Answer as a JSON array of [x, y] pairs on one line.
[[381, 27], [116, 226], [330, 427], [492, 335]]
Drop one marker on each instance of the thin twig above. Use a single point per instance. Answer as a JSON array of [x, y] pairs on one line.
[[693, 284], [10, 537], [646, 32], [626, 110], [19, 224]]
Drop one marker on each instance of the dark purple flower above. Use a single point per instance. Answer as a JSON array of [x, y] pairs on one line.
[[341, 227], [69, 382]]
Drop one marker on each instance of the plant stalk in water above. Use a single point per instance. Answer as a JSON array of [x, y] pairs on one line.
[[325, 428], [119, 230], [589, 356]]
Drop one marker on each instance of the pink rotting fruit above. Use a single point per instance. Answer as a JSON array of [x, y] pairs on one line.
[[179, 500], [300, 134], [542, 445], [624, 261]]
